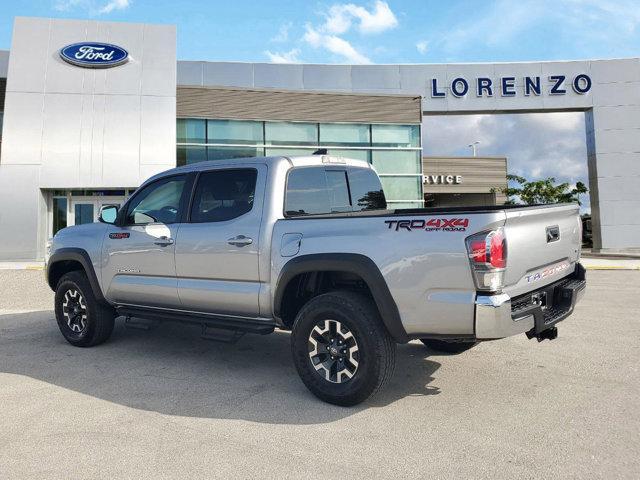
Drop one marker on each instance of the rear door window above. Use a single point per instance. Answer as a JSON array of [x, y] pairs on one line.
[[223, 195]]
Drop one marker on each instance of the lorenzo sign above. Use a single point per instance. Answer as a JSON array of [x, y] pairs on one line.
[[506, 86], [94, 55]]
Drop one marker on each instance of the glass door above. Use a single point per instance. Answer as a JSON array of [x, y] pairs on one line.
[[87, 209], [82, 210], [77, 207]]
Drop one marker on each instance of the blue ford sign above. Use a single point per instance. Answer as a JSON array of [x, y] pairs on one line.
[[94, 55]]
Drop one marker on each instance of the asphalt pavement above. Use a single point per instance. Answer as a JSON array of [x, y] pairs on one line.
[[167, 404]]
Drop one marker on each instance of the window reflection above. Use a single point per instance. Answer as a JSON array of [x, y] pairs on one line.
[[393, 149]]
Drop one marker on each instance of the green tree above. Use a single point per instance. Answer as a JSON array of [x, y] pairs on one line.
[[542, 191]]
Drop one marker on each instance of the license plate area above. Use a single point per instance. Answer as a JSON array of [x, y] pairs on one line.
[[550, 304], [539, 299]]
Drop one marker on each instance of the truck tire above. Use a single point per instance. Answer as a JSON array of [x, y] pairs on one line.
[[83, 321], [341, 348], [447, 347]]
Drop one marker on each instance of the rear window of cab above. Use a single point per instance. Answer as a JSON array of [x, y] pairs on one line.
[[323, 190]]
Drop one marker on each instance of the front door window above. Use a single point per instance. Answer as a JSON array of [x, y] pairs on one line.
[[158, 202]]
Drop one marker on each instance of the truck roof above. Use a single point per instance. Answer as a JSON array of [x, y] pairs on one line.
[[293, 161]]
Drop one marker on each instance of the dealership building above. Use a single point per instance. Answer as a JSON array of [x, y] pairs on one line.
[[91, 109]]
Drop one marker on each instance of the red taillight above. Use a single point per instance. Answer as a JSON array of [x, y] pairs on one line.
[[488, 255], [497, 250], [478, 251]]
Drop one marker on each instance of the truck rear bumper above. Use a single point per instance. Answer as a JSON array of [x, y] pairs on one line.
[[499, 316]]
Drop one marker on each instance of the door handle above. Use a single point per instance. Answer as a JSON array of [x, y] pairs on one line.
[[240, 241], [164, 241]]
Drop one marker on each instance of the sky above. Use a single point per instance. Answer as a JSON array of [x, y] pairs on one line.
[[399, 31]]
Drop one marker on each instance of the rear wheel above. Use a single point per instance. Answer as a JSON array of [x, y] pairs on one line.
[[83, 321], [448, 346], [341, 348]]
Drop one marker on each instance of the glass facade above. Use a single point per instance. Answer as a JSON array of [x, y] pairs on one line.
[[290, 133], [345, 134], [191, 131], [397, 161], [394, 150], [234, 132], [59, 213], [395, 136], [83, 213]]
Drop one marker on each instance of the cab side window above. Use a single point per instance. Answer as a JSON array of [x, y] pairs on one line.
[[223, 195], [158, 202]]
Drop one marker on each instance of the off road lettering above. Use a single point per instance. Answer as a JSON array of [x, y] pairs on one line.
[[430, 225]]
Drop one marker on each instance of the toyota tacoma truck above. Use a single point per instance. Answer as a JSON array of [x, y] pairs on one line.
[[308, 244]]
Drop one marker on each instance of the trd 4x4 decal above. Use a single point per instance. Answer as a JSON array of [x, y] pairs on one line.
[[119, 235], [430, 225]]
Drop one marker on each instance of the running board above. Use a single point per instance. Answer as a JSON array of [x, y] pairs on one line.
[[206, 321], [138, 323]]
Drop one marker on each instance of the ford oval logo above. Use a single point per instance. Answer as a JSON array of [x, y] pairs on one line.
[[94, 55]]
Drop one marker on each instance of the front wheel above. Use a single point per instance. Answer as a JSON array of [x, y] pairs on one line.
[[447, 347], [83, 321], [341, 348]]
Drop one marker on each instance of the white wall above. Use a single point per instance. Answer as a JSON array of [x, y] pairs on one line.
[[4, 63], [72, 127]]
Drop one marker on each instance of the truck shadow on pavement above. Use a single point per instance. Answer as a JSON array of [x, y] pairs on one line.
[[172, 371]]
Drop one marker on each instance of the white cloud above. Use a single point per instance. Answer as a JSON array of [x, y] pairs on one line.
[[422, 46], [558, 122], [292, 56], [493, 26], [329, 32], [283, 33], [114, 5], [65, 5], [334, 44], [536, 145], [91, 7], [340, 17], [574, 23]]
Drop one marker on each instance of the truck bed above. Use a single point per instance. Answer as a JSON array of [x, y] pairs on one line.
[[432, 211]]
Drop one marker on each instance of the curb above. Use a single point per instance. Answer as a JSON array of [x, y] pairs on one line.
[[611, 267]]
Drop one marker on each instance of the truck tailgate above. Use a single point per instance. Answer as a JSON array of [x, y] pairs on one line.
[[543, 244]]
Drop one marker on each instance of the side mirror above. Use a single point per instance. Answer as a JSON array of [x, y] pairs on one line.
[[108, 213]]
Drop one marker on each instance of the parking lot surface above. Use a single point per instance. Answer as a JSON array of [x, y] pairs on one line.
[[166, 404]]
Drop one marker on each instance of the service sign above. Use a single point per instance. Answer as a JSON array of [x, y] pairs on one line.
[[94, 55], [442, 179]]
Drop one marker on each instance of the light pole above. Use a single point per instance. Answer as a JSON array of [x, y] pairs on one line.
[[474, 147]]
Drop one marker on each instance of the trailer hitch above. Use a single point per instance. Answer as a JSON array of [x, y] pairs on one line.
[[548, 334]]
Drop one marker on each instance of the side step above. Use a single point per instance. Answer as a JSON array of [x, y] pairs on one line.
[[140, 323], [232, 327], [220, 334]]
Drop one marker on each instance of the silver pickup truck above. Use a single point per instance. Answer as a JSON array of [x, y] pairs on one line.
[[307, 244]]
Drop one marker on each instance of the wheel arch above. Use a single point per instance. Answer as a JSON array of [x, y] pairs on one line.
[[358, 265], [69, 259]]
